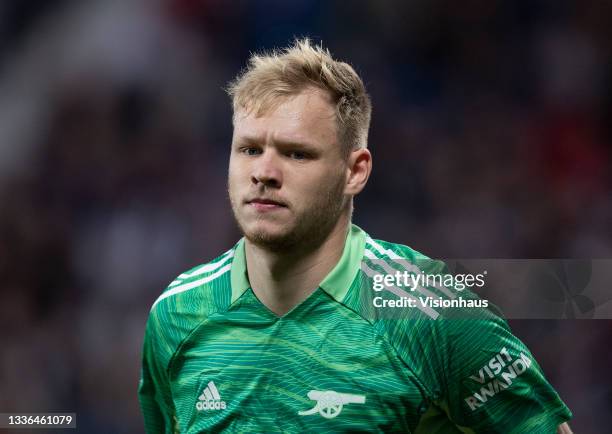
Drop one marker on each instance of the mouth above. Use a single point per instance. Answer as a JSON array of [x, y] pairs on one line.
[[262, 204]]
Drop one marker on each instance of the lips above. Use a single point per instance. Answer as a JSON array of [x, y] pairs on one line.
[[263, 201], [263, 205]]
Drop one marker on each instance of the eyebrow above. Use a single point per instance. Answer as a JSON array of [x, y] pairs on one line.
[[282, 142]]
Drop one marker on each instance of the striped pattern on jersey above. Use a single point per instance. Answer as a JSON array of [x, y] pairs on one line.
[[216, 359]]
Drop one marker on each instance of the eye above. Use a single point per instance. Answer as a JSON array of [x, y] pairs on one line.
[[298, 155], [251, 151]]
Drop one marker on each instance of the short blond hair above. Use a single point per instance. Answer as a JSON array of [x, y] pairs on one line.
[[272, 77]]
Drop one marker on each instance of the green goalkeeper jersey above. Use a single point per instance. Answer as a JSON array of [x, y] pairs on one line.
[[216, 359]]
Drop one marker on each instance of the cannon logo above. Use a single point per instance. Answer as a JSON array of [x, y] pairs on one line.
[[210, 399], [330, 403]]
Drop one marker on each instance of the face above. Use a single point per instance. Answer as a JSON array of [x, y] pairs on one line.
[[287, 176]]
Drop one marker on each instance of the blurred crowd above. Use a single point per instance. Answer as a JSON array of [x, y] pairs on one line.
[[491, 136]]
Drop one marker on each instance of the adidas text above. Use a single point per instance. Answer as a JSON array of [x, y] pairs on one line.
[[210, 405]]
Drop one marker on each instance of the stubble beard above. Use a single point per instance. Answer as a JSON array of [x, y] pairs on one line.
[[308, 231]]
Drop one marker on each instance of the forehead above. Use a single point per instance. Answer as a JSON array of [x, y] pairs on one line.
[[308, 116]]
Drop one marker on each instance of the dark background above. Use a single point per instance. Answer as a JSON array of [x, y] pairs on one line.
[[491, 138]]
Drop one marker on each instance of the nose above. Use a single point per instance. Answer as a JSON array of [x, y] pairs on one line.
[[267, 170]]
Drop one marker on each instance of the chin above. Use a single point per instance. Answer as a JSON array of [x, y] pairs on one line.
[[268, 235], [272, 241]]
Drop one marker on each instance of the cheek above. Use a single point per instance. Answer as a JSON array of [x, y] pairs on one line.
[[232, 166], [235, 172], [317, 186], [232, 181]]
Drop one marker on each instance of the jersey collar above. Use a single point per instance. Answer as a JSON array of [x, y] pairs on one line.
[[340, 278], [239, 277], [336, 283]]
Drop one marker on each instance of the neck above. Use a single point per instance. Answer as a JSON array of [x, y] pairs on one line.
[[283, 280]]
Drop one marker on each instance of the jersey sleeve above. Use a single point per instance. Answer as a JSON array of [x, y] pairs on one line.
[[154, 390], [489, 380]]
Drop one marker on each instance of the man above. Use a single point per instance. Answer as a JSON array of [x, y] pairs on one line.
[[279, 334]]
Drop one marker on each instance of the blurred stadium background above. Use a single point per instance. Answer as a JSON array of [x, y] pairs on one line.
[[491, 138]]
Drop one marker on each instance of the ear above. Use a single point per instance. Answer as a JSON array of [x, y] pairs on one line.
[[359, 167]]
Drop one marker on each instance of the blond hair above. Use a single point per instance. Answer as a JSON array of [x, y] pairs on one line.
[[272, 77]]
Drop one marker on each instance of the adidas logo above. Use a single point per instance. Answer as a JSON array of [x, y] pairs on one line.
[[210, 399]]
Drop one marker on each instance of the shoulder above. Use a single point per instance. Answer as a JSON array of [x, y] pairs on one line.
[[195, 294], [391, 258], [387, 297], [185, 304], [386, 249], [462, 351], [395, 271], [414, 302]]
